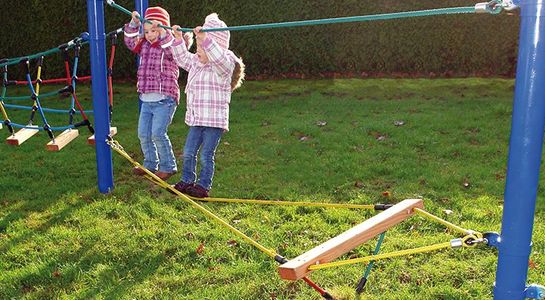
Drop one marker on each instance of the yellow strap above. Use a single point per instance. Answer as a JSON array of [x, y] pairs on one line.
[[448, 224], [287, 203], [119, 149], [38, 77], [3, 109], [381, 256]]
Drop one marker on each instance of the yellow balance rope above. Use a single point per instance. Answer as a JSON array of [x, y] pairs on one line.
[[119, 149], [456, 243], [3, 110], [449, 225], [286, 203]]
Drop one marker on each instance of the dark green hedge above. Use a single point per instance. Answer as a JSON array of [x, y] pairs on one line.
[[454, 45]]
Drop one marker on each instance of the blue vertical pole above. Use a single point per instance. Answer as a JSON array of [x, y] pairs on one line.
[[95, 19], [140, 6], [525, 150]]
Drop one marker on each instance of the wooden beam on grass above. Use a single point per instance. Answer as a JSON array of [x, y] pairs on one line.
[[297, 268], [91, 139], [22, 135], [62, 140]]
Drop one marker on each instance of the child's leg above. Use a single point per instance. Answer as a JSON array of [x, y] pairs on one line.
[[192, 144], [144, 134], [211, 139], [163, 111]]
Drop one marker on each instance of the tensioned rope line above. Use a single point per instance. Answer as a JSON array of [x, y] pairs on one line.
[[493, 7], [81, 40], [468, 241]]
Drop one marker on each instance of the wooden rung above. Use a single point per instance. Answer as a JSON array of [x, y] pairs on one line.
[[91, 139], [297, 268], [62, 140], [21, 136]]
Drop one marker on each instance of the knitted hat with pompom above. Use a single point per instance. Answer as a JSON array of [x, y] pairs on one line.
[[220, 37]]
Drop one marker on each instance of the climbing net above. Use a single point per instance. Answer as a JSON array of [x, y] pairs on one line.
[[71, 79]]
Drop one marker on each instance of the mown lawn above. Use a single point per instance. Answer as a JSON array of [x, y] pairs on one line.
[[343, 141]]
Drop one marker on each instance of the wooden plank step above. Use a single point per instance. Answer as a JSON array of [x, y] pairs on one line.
[[62, 140], [297, 268], [21, 136], [91, 139]]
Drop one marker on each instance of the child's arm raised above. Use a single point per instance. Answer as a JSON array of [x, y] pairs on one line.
[[180, 51], [218, 57], [131, 31]]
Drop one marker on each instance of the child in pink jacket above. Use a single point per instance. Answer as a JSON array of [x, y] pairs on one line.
[[214, 72], [157, 88]]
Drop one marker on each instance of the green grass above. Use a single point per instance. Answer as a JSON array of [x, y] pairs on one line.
[[298, 140]]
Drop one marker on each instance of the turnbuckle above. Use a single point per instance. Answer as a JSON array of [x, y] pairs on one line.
[[495, 6]]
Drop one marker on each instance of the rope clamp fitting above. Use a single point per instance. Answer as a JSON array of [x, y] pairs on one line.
[[472, 240], [509, 4], [456, 243], [495, 6]]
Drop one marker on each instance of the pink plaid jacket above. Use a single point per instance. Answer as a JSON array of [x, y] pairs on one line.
[[158, 72], [208, 86]]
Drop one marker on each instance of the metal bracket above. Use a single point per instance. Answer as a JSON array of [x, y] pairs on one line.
[[510, 4], [493, 239], [535, 291], [496, 6]]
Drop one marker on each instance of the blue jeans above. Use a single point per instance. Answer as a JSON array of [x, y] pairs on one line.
[[155, 117], [206, 138]]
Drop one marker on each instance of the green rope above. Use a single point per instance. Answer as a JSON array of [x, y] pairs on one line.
[[16, 60], [18, 98], [69, 45], [387, 16]]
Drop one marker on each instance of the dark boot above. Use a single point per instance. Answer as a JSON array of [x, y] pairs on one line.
[[197, 191], [182, 187]]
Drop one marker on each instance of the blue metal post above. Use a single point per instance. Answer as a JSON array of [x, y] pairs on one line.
[[140, 6], [525, 152], [95, 19]]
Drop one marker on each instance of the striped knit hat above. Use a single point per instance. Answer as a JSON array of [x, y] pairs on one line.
[[221, 37], [158, 14]]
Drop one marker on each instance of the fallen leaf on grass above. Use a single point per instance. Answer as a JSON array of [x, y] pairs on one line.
[[532, 265], [200, 249]]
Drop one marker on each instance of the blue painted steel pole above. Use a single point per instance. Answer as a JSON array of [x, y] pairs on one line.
[[141, 6], [525, 152], [95, 19]]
